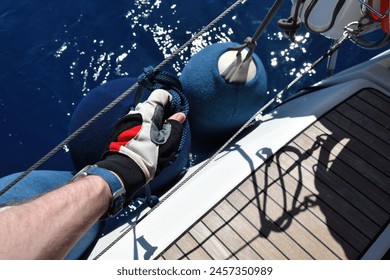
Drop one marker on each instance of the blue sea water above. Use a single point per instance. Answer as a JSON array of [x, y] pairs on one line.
[[53, 52]]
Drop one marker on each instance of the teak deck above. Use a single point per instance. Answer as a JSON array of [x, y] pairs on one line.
[[325, 195]]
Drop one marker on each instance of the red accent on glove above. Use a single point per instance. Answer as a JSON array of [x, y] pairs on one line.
[[124, 138]]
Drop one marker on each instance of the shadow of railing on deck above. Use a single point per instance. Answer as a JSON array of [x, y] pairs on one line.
[[289, 211], [284, 174]]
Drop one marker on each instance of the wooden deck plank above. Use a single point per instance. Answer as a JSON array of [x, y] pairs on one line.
[[302, 226], [285, 243], [385, 97], [173, 253], [230, 234], [264, 247], [340, 150], [360, 133], [232, 257], [370, 111], [224, 232], [363, 176], [340, 217], [210, 243], [341, 186], [378, 100], [191, 248], [370, 155], [368, 124], [247, 253], [320, 197], [299, 203]]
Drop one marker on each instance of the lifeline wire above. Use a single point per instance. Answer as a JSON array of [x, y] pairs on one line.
[[119, 98], [333, 49]]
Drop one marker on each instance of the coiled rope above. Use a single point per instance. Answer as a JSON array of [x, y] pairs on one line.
[[254, 118], [120, 98]]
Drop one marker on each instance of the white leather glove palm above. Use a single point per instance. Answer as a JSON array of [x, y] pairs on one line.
[[143, 142]]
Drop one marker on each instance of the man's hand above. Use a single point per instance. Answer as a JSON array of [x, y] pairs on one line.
[[143, 142]]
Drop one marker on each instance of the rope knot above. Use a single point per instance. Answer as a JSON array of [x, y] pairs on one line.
[[146, 79]]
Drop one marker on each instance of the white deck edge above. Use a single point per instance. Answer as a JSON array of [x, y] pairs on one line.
[[380, 246], [198, 195]]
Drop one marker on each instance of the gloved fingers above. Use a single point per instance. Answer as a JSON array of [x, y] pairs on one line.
[[143, 142], [125, 130], [158, 98], [172, 130], [153, 114], [151, 110], [161, 131]]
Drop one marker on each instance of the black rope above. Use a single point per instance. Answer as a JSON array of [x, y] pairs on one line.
[[291, 25], [327, 27]]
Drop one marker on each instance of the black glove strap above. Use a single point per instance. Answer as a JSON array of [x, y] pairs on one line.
[[127, 170]]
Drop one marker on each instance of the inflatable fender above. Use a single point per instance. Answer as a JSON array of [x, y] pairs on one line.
[[219, 108]]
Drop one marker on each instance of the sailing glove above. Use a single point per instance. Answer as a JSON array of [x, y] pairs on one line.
[[142, 143]]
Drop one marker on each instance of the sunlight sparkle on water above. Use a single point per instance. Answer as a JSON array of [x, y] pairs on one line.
[[103, 65], [287, 56]]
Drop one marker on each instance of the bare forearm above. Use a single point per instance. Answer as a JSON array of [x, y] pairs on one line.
[[49, 226]]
